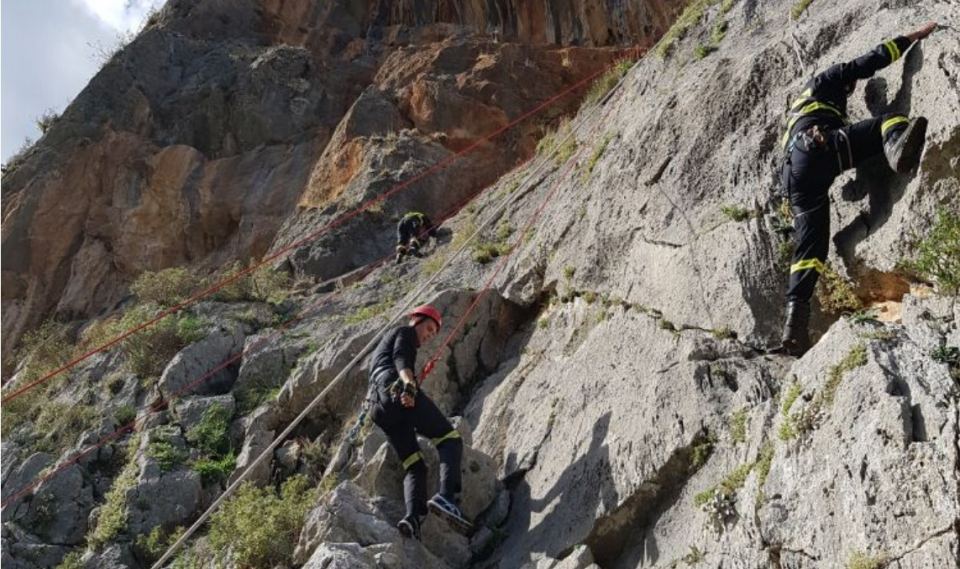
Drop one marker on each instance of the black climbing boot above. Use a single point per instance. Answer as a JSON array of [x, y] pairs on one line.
[[796, 330], [409, 527], [903, 148], [401, 251]]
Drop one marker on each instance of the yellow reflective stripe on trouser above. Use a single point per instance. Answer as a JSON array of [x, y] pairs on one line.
[[893, 50], [454, 434], [807, 264], [890, 123], [412, 459]]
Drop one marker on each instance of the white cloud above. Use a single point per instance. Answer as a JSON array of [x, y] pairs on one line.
[[122, 15]]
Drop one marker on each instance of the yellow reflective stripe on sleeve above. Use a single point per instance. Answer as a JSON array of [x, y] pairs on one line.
[[807, 264], [803, 98], [893, 50], [454, 434], [890, 123], [412, 459]]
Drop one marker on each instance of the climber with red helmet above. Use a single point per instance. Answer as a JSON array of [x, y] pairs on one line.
[[403, 411], [819, 144], [413, 230]]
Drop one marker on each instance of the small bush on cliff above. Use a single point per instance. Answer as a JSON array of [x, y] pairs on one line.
[[799, 8], [46, 120], [152, 546], [860, 560], [43, 350], [938, 255], [258, 528], [113, 513], [73, 560], [559, 144], [836, 294], [690, 17], [168, 287], [149, 350], [264, 284], [608, 81]]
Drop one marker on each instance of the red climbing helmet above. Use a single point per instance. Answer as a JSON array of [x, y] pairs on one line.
[[429, 312]]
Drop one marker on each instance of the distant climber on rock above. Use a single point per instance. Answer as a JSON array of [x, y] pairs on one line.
[[819, 144], [403, 411], [413, 230]]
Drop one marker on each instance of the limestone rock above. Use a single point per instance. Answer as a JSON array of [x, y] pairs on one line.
[[185, 372]]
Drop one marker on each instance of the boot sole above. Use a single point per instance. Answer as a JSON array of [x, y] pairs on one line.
[[406, 530], [458, 523], [912, 146]]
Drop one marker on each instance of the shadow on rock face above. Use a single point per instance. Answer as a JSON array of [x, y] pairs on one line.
[[582, 489]]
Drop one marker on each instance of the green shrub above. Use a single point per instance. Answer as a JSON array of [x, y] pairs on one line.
[[43, 350], [252, 397], [215, 469], [167, 455], [485, 251], [167, 287], [855, 358], [210, 433], [608, 81], [59, 425], [688, 18], [73, 560], [264, 284], [46, 120], [370, 311], [737, 213], [798, 8], [723, 333], [702, 451], [938, 255], [718, 32], [738, 425], [835, 293], [559, 144], [595, 156], [113, 513], [149, 350], [860, 560], [257, 528], [727, 487], [152, 546], [703, 50], [764, 462]]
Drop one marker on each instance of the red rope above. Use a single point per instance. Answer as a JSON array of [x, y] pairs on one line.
[[333, 224], [501, 263], [131, 426]]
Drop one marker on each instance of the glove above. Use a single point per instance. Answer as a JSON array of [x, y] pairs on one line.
[[401, 388]]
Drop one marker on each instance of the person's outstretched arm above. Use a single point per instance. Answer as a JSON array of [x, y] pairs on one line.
[[876, 59]]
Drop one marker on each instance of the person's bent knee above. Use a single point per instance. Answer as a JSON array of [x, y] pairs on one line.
[[414, 463]]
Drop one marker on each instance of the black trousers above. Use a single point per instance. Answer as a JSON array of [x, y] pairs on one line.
[[808, 172], [402, 425]]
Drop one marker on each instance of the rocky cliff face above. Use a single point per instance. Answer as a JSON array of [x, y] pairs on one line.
[[198, 141], [616, 404]]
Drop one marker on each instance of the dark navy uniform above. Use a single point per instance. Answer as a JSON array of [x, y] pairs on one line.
[[820, 143], [396, 351]]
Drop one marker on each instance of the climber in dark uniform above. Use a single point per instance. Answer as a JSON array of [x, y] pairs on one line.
[[403, 411], [413, 230], [819, 144]]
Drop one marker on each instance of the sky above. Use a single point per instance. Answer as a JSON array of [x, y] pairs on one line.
[[49, 51]]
